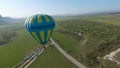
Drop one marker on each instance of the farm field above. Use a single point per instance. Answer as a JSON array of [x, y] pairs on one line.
[[101, 39], [105, 18], [52, 58], [15, 51]]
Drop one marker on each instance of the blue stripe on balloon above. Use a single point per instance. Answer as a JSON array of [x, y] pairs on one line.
[[38, 34], [51, 32], [43, 26]]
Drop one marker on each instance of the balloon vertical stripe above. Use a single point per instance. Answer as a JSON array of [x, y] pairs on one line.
[[35, 35], [39, 19], [42, 35], [32, 19], [48, 35], [47, 19]]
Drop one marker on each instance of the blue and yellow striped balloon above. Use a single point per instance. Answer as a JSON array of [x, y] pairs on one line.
[[40, 27]]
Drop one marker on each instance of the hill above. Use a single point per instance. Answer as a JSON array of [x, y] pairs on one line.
[[6, 20]]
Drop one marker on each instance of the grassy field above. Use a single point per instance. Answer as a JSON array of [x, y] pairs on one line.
[[109, 18], [52, 58], [81, 53], [15, 51], [102, 38], [113, 19], [68, 43], [101, 35]]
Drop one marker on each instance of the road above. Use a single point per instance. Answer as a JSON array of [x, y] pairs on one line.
[[69, 57], [112, 55], [28, 62], [30, 59], [26, 66]]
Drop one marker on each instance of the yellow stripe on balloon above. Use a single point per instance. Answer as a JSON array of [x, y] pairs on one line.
[[39, 19], [35, 35], [48, 35], [32, 19], [42, 35], [47, 19]]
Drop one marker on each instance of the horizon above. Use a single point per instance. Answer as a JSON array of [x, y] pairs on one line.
[[87, 13], [55, 7]]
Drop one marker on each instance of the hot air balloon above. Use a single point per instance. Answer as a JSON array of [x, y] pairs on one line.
[[40, 27]]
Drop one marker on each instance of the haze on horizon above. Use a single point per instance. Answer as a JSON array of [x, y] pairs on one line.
[[24, 8]]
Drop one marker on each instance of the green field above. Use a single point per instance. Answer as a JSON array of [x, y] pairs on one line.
[[68, 43], [102, 38], [105, 18], [52, 58], [13, 52], [100, 32]]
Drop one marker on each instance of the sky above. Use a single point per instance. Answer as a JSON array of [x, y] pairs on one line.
[[24, 8]]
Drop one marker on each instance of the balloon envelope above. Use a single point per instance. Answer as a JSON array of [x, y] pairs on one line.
[[40, 27]]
